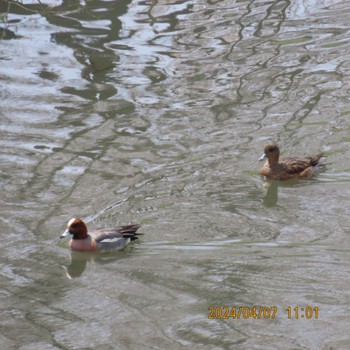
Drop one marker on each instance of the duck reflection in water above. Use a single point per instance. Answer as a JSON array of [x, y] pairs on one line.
[[271, 186], [271, 196], [79, 260]]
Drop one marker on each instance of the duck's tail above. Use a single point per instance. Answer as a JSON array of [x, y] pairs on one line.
[[130, 231], [315, 161]]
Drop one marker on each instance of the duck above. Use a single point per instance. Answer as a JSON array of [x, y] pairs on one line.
[[100, 240], [277, 168]]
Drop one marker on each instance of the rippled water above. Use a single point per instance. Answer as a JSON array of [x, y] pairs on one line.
[[157, 112]]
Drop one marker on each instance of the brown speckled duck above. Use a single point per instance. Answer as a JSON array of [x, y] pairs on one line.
[[287, 168]]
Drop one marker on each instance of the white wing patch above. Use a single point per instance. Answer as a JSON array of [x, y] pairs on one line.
[[111, 240]]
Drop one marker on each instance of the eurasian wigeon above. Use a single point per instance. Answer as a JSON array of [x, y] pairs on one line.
[[103, 239], [288, 168]]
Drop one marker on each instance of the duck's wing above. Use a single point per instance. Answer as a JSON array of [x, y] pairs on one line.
[[108, 242], [127, 231], [298, 165]]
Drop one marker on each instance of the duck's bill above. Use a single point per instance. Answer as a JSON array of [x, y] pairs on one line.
[[263, 157], [65, 234]]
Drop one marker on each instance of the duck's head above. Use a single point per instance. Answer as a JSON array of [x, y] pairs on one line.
[[77, 228], [271, 152]]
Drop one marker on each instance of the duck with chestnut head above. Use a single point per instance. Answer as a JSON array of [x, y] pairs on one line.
[[102, 240]]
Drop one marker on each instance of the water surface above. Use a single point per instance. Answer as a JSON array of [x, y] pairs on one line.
[[157, 112]]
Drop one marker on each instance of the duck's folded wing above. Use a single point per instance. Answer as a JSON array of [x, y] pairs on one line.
[[111, 242], [127, 231], [297, 165], [108, 237]]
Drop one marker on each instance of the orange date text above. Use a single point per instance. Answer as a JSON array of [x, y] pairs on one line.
[[242, 312]]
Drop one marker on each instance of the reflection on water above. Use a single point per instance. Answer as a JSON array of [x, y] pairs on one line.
[[79, 260], [271, 197], [76, 267], [156, 112], [271, 188]]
